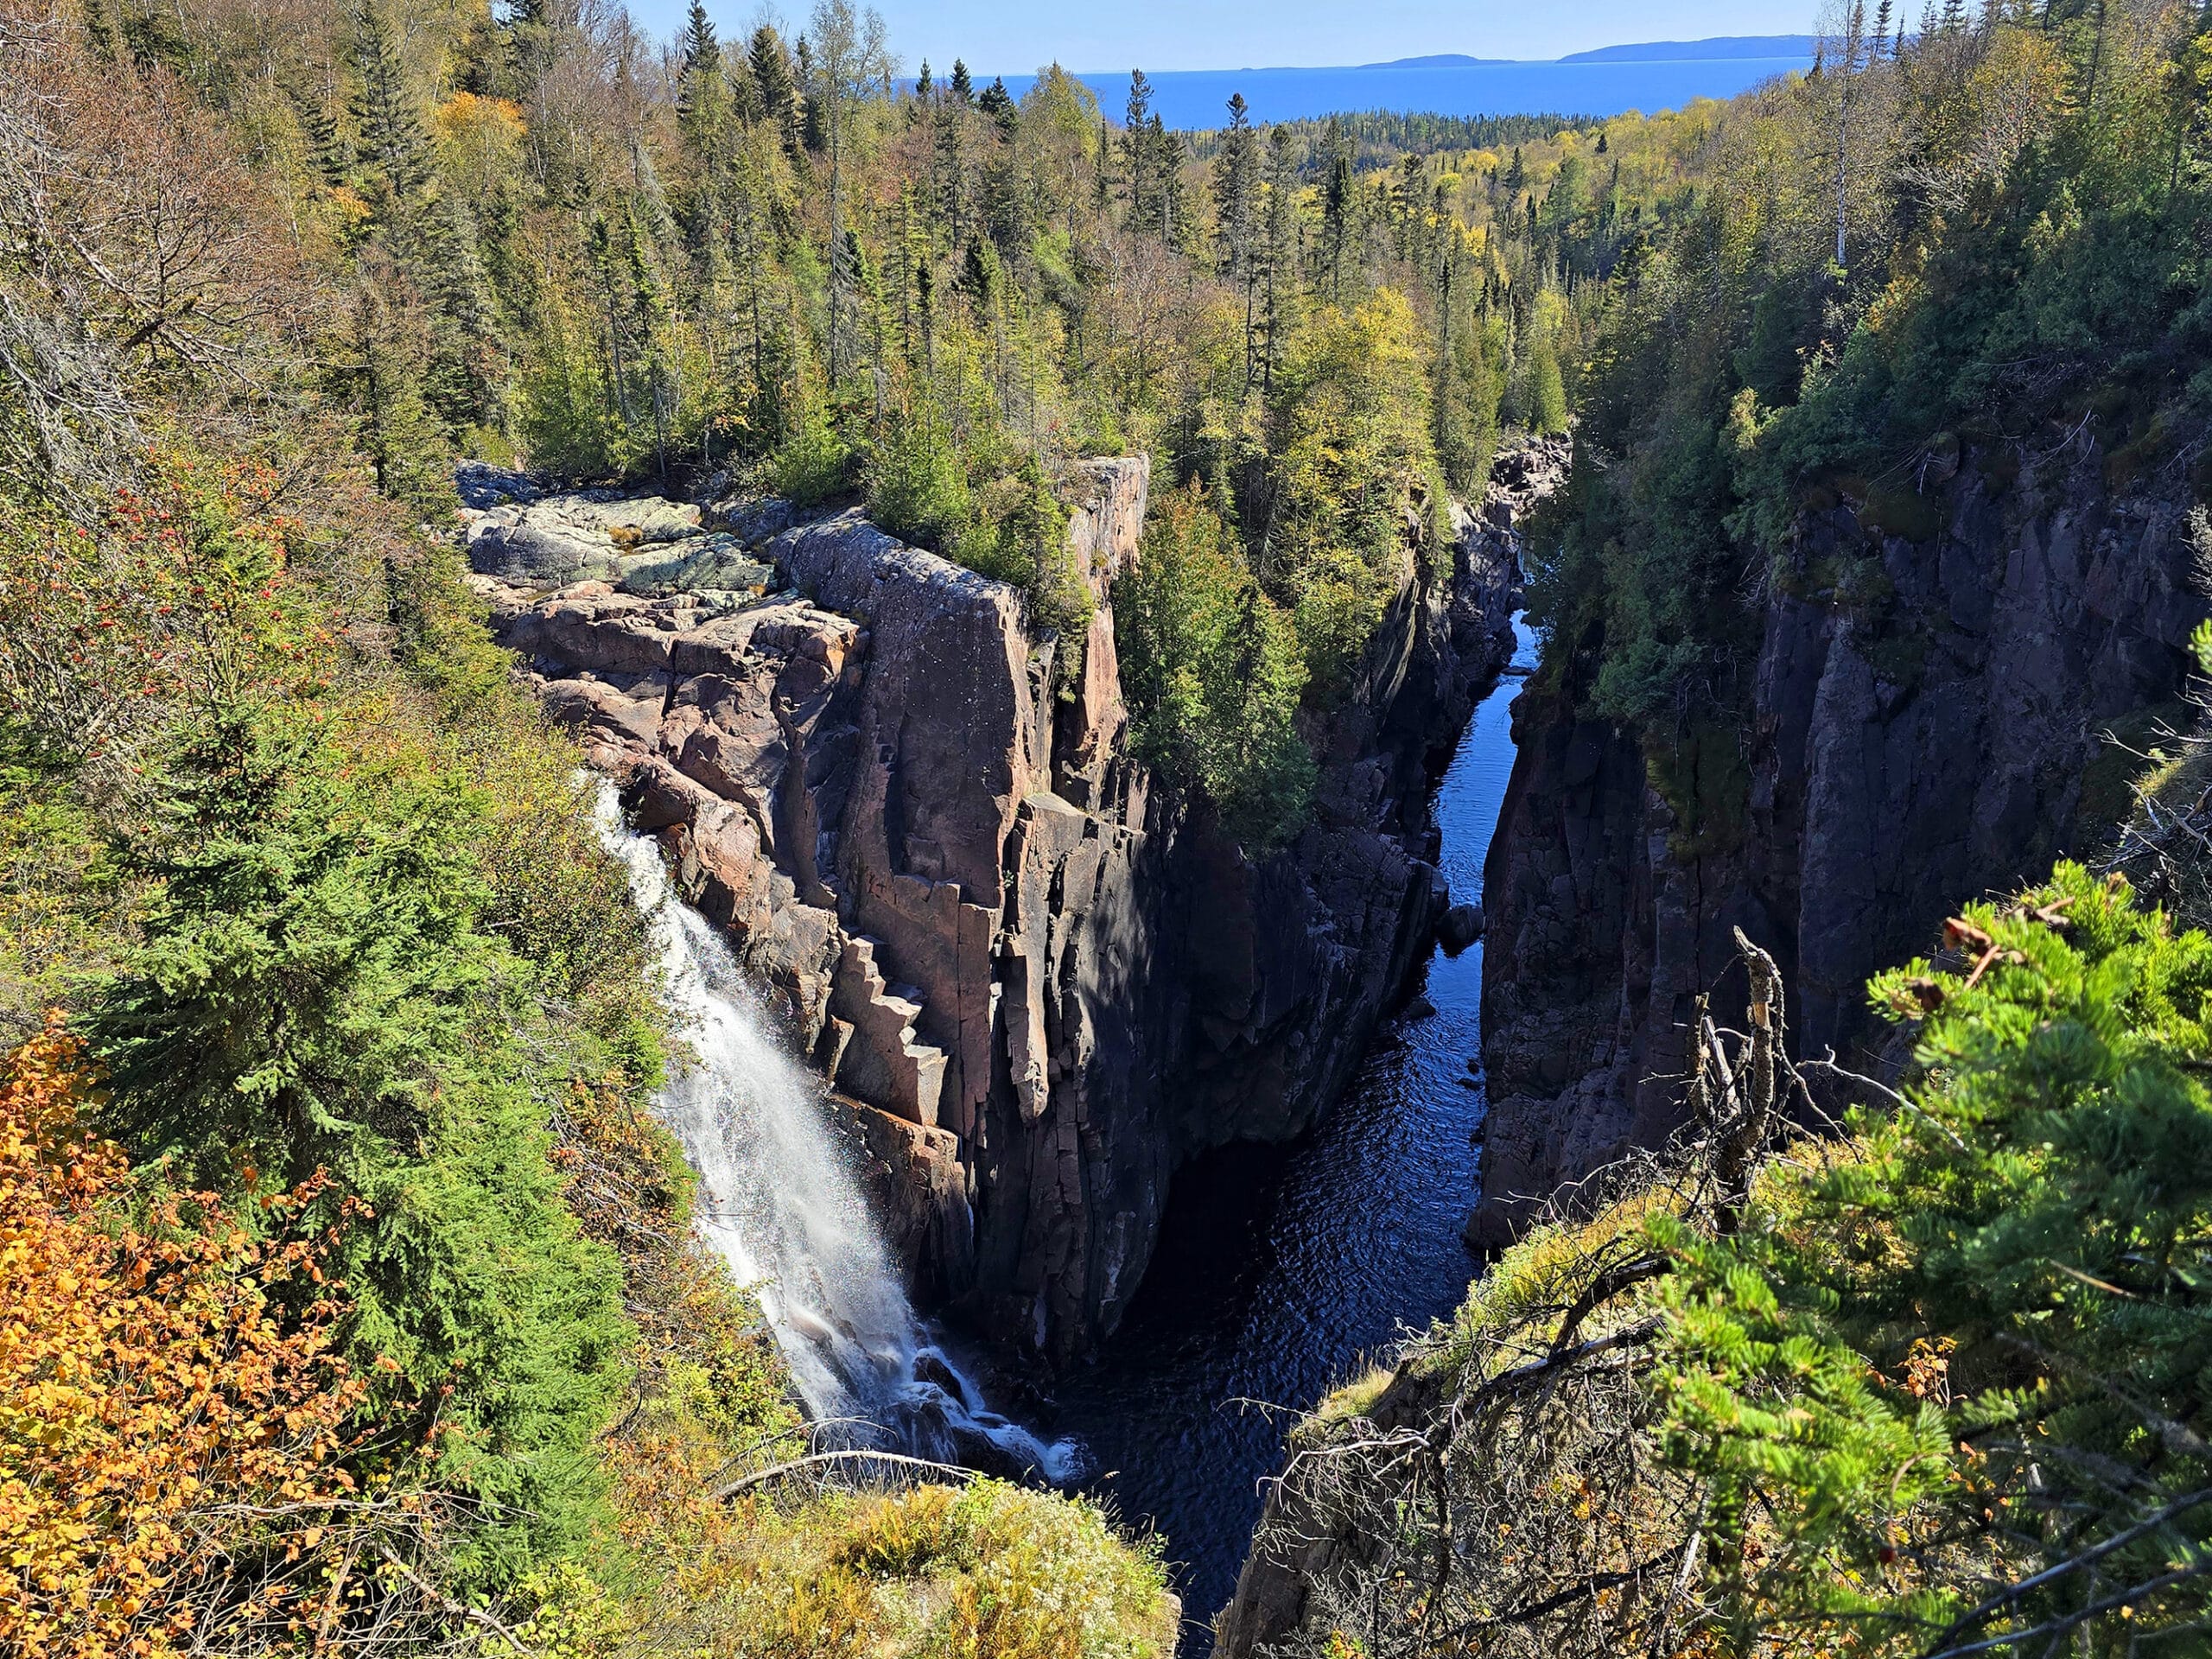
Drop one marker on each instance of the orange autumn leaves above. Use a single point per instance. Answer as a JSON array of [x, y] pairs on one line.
[[170, 1409]]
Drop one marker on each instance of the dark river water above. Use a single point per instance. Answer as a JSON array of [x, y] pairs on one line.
[[1280, 1270]]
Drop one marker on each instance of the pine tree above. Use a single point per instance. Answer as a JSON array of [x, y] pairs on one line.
[[960, 89]]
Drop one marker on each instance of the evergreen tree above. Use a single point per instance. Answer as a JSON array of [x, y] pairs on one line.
[[1102, 173], [775, 85], [813, 133], [1136, 153], [1174, 213], [1237, 217], [948, 158], [960, 89], [703, 100], [399, 433], [326, 145], [998, 103], [384, 110], [467, 374], [1235, 191], [851, 61], [1339, 208], [1279, 274], [1005, 200]]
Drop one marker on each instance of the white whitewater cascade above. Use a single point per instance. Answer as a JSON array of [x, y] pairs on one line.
[[780, 1203]]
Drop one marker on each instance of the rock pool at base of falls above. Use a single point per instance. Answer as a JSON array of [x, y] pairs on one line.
[[1281, 1270]]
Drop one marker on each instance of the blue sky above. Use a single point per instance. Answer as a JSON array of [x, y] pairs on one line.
[[999, 38]]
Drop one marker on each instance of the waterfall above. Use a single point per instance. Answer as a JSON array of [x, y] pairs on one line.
[[779, 1203]]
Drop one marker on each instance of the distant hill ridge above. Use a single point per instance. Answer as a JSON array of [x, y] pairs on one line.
[[1723, 47]]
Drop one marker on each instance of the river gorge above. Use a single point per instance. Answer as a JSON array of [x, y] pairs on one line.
[[1067, 1040], [1167, 1138], [1281, 1270]]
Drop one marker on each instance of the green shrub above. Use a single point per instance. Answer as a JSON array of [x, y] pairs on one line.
[[1213, 673], [313, 994], [1974, 1345], [1019, 536], [918, 484], [811, 463], [1353, 453]]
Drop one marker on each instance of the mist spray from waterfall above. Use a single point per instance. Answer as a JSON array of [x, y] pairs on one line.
[[781, 1205]]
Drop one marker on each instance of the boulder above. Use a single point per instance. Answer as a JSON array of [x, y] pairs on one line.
[[482, 486], [550, 545], [715, 564], [751, 520], [553, 543], [1461, 926]]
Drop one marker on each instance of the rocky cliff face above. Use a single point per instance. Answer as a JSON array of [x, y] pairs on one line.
[[1037, 982], [1929, 722]]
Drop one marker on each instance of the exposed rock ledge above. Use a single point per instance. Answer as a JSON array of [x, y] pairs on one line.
[[1038, 983]]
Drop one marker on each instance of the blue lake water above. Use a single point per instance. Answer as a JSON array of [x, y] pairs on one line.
[[1195, 97], [1280, 1271]]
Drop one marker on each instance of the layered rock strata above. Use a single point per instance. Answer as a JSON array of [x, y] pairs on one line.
[[1037, 981], [1930, 719]]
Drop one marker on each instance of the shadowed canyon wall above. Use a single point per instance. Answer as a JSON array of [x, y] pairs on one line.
[[1928, 722]]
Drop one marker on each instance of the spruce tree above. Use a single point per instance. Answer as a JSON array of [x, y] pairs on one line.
[[773, 82], [399, 433], [1236, 211], [1236, 190], [997, 103], [1279, 252], [850, 61], [704, 102], [813, 133], [384, 110], [951, 168], [1137, 151], [1339, 206], [465, 374], [333, 156], [1174, 216]]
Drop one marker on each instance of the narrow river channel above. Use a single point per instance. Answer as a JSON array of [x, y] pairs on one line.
[[1279, 1270]]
